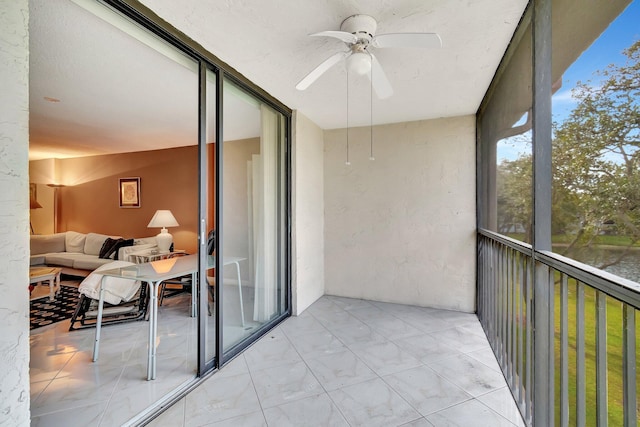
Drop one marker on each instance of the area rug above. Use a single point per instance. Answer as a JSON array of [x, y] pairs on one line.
[[45, 312]]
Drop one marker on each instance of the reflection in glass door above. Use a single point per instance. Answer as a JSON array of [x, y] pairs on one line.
[[253, 206]]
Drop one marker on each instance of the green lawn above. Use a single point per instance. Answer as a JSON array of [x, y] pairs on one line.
[[614, 352], [614, 356], [607, 240]]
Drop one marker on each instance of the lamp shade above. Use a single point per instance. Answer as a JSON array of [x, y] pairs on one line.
[[163, 218]]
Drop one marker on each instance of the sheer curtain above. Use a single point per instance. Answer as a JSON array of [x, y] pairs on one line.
[[264, 215]]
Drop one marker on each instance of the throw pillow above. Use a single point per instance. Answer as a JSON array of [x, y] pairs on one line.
[[74, 242], [107, 247], [120, 244]]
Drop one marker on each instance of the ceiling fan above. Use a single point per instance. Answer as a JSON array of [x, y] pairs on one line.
[[358, 32]]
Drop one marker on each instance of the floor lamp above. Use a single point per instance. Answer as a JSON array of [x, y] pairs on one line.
[[33, 204], [56, 204]]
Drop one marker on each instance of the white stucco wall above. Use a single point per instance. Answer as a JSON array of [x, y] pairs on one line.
[[402, 228], [307, 179], [14, 213]]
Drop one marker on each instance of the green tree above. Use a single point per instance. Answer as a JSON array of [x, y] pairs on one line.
[[596, 164], [596, 155], [514, 197]]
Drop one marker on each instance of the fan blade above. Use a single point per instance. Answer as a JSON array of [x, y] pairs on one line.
[[320, 69], [379, 79], [429, 40], [340, 35]]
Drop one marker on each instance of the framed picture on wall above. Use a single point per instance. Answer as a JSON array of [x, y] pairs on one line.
[[129, 192]]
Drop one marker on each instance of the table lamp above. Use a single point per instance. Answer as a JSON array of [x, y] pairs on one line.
[[163, 218]]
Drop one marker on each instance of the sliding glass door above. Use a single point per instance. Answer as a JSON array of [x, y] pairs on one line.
[[252, 280], [243, 219], [227, 185], [112, 102]]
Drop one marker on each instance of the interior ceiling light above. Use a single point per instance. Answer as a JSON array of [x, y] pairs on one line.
[[50, 99]]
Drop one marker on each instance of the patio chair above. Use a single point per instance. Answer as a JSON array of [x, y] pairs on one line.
[[125, 299], [174, 287]]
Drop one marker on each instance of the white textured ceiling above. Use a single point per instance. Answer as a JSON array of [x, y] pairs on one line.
[[268, 42], [118, 95]]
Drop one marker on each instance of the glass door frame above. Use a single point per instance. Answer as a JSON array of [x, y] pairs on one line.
[[223, 357], [144, 16]]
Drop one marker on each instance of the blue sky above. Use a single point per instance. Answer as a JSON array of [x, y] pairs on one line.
[[607, 49]]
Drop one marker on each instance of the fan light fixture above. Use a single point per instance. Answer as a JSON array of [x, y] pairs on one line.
[[359, 63]]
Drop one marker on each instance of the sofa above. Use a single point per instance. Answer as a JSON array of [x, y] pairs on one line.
[[79, 253]]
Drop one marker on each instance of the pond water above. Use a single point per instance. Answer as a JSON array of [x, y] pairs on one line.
[[628, 267]]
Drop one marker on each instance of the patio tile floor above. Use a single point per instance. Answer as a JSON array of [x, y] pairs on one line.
[[340, 364], [343, 362]]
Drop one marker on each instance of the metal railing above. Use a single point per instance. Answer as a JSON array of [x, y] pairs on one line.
[[593, 358]]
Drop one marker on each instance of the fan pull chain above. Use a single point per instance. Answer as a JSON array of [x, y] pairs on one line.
[[348, 163], [371, 113]]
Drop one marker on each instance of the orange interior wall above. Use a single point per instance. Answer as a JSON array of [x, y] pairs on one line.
[[168, 180]]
